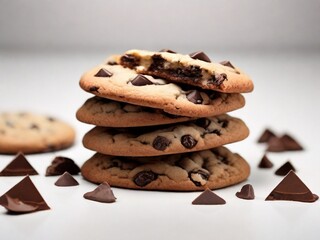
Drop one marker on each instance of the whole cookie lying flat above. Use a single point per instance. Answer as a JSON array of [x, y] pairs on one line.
[[33, 133], [214, 168], [125, 85], [191, 136], [108, 113], [198, 71]]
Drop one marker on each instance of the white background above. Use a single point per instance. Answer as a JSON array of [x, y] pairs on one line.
[[45, 46]]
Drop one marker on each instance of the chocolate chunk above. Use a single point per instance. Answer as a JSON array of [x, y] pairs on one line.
[[167, 50], [195, 97], [227, 64], [200, 56], [219, 79], [60, 165], [266, 136], [14, 205], [188, 141], [51, 119], [103, 73], [129, 61], [157, 63], [275, 144], [19, 166], [223, 122], [94, 89], [291, 188], [144, 178], [161, 143], [199, 177], [246, 192], [102, 193], [66, 180], [25, 192], [141, 80], [208, 198], [284, 169], [265, 162], [290, 143], [216, 131], [112, 63], [223, 159], [203, 122], [34, 126]]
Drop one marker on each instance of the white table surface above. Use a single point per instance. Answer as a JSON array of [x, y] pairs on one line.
[[285, 98]]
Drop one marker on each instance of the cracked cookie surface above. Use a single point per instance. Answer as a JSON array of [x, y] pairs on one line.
[[125, 85], [109, 113], [200, 134], [33, 133], [214, 168], [201, 72]]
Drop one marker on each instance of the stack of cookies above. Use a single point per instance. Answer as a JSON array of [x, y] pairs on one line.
[[161, 121]]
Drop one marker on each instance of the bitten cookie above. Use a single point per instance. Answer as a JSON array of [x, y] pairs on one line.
[[194, 69], [125, 85], [214, 168], [32, 133], [108, 113], [191, 136]]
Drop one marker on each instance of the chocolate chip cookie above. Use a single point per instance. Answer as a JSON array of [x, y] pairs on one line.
[[33, 133], [193, 69], [203, 133], [125, 85], [108, 113], [214, 168]]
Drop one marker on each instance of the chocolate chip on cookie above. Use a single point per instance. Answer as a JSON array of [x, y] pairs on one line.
[[167, 50], [103, 73], [227, 64], [129, 60], [144, 178], [188, 141], [199, 177], [161, 143], [195, 97], [141, 80], [200, 56], [203, 122], [218, 79]]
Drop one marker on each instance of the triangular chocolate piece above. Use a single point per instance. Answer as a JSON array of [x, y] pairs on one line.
[[291, 188], [284, 169], [266, 136], [60, 165], [200, 56], [66, 180], [141, 80], [102, 193], [14, 205], [290, 143], [227, 64], [25, 192], [208, 198], [103, 73], [275, 144], [265, 162], [19, 166], [246, 192]]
